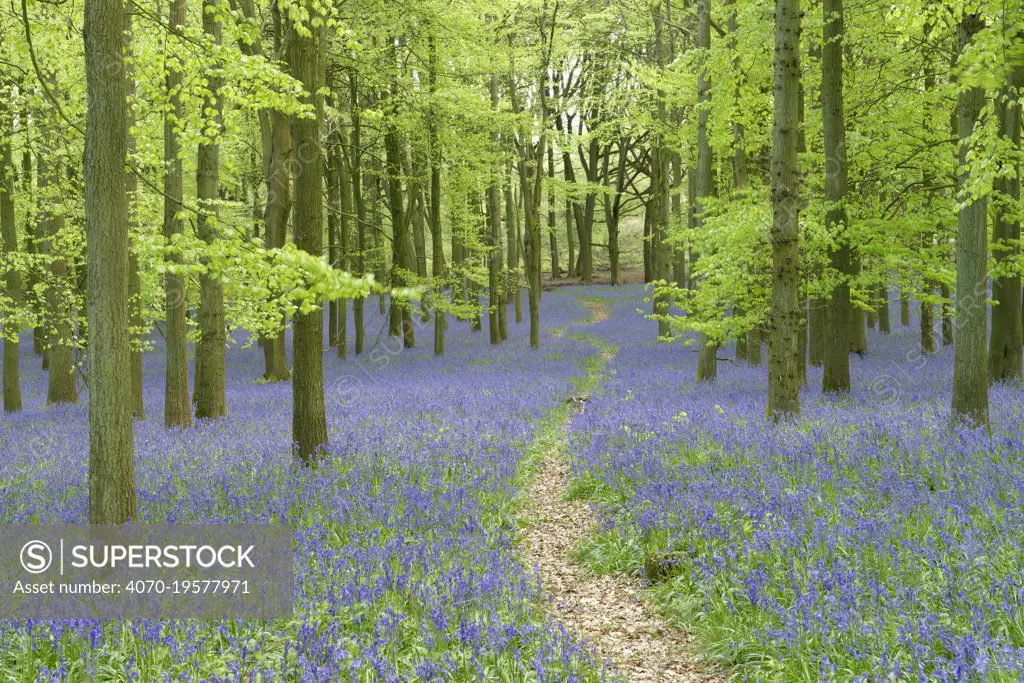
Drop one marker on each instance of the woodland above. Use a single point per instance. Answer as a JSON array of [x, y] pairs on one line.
[[575, 340]]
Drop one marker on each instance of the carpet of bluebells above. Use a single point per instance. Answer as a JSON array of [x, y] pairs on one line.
[[405, 560], [869, 542]]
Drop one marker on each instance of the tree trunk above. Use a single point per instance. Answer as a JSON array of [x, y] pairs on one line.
[[947, 316], [400, 321], [754, 338], [380, 261], [531, 173], [111, 455], [556, 269], [904, 307], [339, 203], [520, 258], [30, 238], [9, 240], [277, 152], [741, 340], [436, 239], [309, 420], [739, 165], [858, 331], [134, 279], [494, 302], [816, 322], [419, 240], [583, 265], [1005, 344], [786, 316], [210, 383], [570, 238], [357, 198], [177, 408], [333, 212], [648, 230], [927, 321], [587, 230], [707, 364], [839, 312], [344, 236], [660, 188], [398, 225], [511, 252], [677, 253], [61, 387], [613, 207], [970, 371], [883, 308]]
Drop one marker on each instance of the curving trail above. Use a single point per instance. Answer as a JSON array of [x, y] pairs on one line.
[[607, 611]]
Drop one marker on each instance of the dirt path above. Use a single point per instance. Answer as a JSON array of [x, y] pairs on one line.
[[607, 611]]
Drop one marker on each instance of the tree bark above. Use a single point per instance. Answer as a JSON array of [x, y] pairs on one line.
[[660, 184], [531, 173], [494, 300], [741, 340], [947, 316], [111, 455], [28, 188], [9, 240], [436, 238], [357, 198], [512, 293], [277, 152], [134, 278], [883, 308], [570, 238], [839, 312], [786, 316], [1005, 344], [970, 372], [177, 408], [927, 321], [309, 420], [211, 363], [61, 387], [344, 237], [816, 322], [707, 363], [399, 225], [613, 207], [754, 339], [556, 269]]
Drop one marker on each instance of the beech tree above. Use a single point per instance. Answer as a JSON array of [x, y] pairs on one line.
[[111, 453], [309, 421], [9, 238], [783, 347], [177, 407], [210, 392], [838, 313], [970, 377]]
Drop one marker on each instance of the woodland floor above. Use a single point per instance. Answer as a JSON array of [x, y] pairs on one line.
[[608, 612]]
